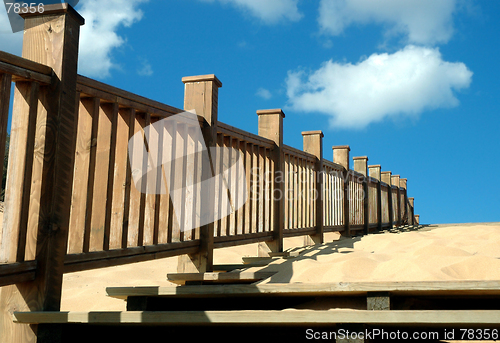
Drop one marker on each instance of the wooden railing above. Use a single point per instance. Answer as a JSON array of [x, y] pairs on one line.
[[71, 202], [32, 82]]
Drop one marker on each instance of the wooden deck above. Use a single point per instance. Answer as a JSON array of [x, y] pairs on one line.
[[282, 312]]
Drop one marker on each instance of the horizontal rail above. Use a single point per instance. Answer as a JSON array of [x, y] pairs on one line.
[[244, 135], [333, 165], [25, 70], [13, 273], [299, 232], [100, 259], [288, 150], [334, 228], [92, 88], [242, 239]]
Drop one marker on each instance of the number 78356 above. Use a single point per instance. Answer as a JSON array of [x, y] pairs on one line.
[[19, 8]]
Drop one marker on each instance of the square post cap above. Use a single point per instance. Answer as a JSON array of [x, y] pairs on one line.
[[310, 133], [271, 112], [341, 147], [55, 9], [202, 78]]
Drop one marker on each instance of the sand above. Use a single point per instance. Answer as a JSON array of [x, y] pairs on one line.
[[435, 253], [456, 252], [448, 253]]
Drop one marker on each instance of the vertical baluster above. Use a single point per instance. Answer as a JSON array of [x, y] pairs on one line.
[[113, 113], [166, 137], [255, 188], [248, 175], [134, 237], [119, 179], [33, 166]]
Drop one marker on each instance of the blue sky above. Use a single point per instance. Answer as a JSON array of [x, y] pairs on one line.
[[411, 84]]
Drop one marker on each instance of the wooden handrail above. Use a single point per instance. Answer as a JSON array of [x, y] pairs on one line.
[[92, 88], [298, 153], [244, 135], [25, 63]]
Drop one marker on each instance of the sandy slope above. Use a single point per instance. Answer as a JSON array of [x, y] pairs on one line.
[[457, 252]]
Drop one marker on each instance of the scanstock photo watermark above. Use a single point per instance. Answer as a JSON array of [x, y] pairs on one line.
[[206, 184], [16, 9], [178, 161], [395, 334]]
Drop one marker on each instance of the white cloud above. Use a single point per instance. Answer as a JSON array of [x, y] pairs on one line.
[[98, 36], [264, 93], [145, 69], [354, 95], [421, 21], [269, 11]]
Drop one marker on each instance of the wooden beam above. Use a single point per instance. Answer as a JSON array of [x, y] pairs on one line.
[[201, 93], [313, 144], [290, 317], [320, 289], [13, 273], [386, 178], [218, 277], [25, 63], [271, 127], [120, 94], [50, 38]]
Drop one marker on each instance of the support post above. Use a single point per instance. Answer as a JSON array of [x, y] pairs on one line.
[[201, 93], [361, 166], [341, 156], [411, 201], [386, 178], [374, 172], [313, 144], [50, 37], [417, 219], [271, 127], [402, 184], [395, 182]]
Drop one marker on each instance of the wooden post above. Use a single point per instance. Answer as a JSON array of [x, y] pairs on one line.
[[411, 201], [374, 172], [361, 166], [386, 178], [201, 93], [395, 182], [50, 38], [341, 156], [313, 144], [402, 184], [271, 127]]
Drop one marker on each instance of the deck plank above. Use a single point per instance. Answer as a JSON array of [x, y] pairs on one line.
[[290, 317], [455, 288]]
